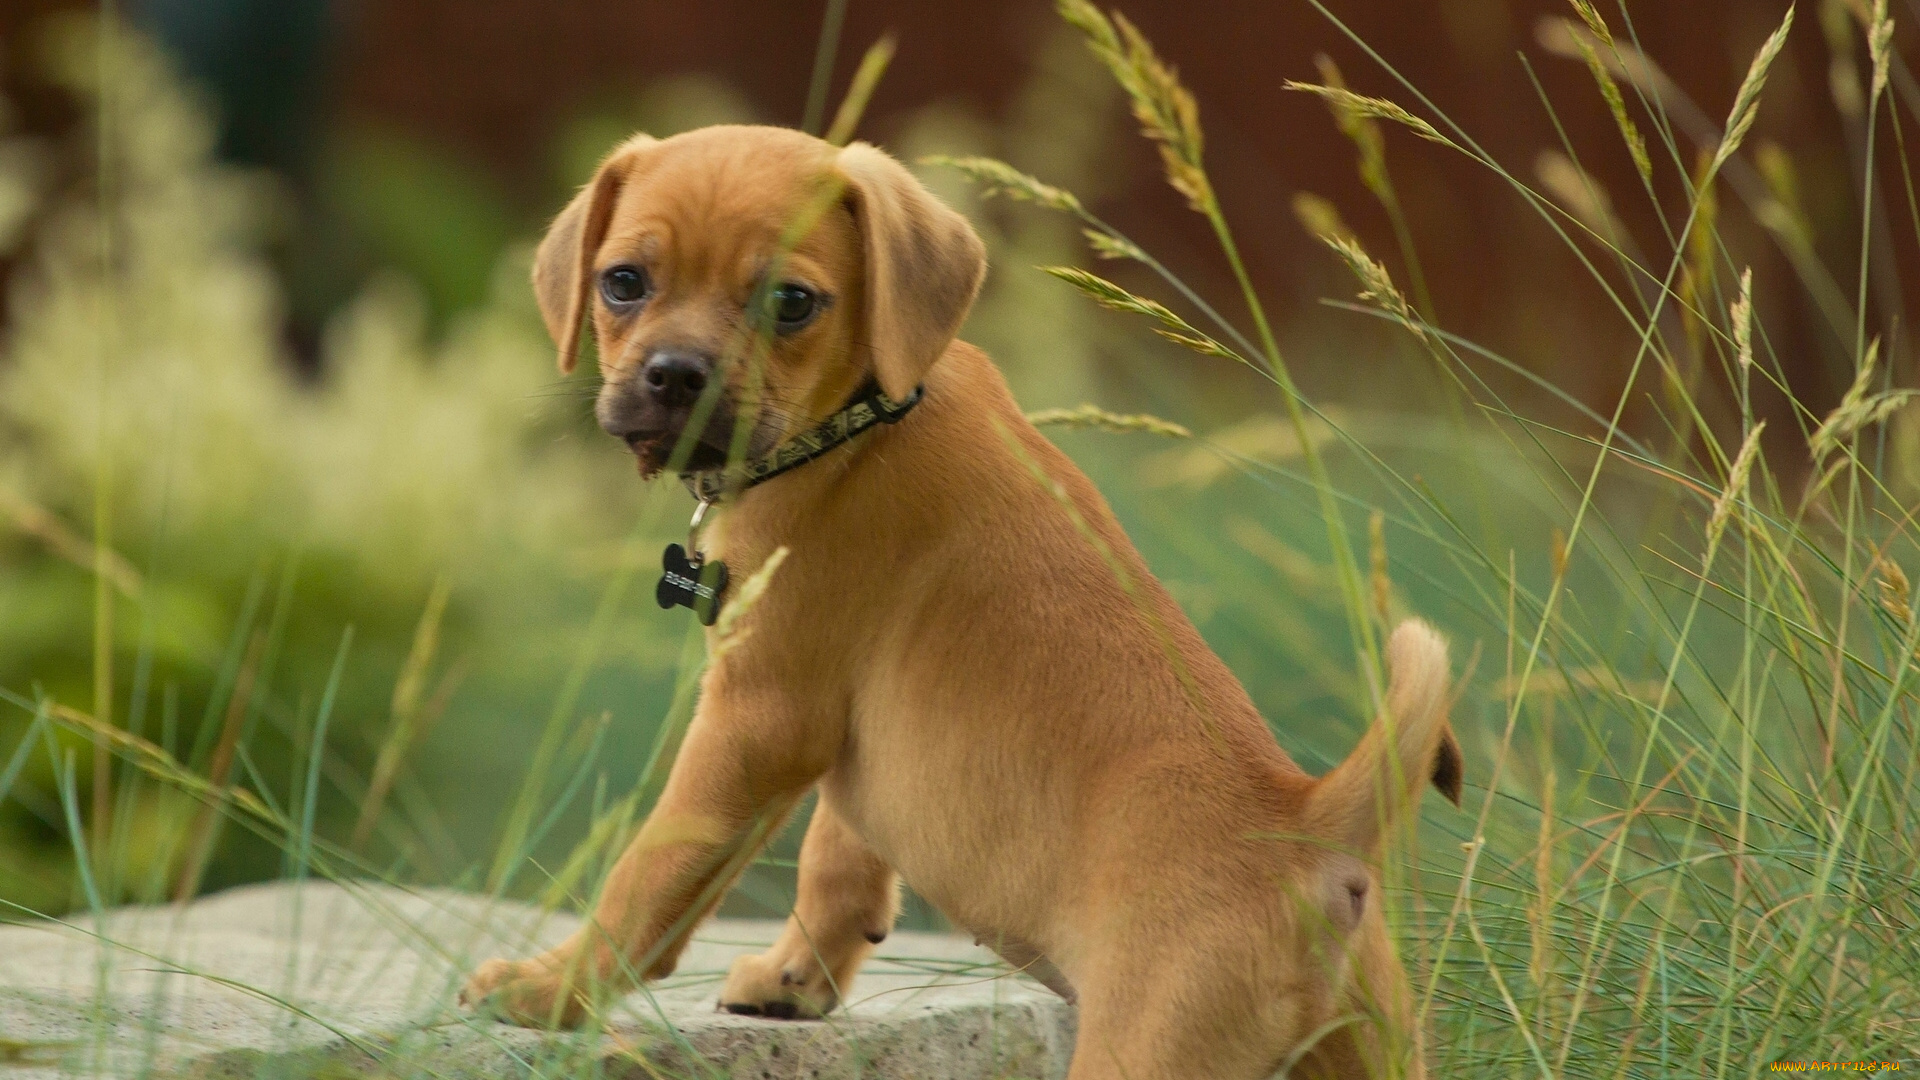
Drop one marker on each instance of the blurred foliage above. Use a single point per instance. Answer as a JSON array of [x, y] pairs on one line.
[[423, 212], [145, 353]]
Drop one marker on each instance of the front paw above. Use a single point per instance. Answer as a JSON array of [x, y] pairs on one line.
[[531, 993], [762, 986]]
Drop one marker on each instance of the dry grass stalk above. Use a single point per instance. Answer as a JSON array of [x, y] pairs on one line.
[[1609, 89], [200, 839], [1376, 284], [1568, 39], [1540, 911], [1305, 575], [1111, 246], [1092, 416], [1263, 437], [729, 631], [45, 526], [1736, 487], [1740, 319], [410, 719], [161, 765], [1379, 580], [1896, 592], [1696, 280], [1364, 131], [1858, 408], [999, 178], [1880, 47], [1113, 297], [1591, 16], [1361, 128], [1746, 103], [1597, 679], [1347, 101], [1167, 112]]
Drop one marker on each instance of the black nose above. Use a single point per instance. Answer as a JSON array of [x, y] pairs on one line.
[[675, 378]]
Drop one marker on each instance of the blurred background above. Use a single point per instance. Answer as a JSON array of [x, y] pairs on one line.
[[289, 398]]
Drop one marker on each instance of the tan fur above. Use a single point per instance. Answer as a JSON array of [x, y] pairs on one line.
[[1024, 727]]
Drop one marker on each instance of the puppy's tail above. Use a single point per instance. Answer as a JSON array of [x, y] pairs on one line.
[[1409, 745]]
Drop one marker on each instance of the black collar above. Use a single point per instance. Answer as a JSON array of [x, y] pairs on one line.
[[870, 407]]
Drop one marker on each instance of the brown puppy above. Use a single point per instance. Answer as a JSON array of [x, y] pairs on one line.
[[963, 653]]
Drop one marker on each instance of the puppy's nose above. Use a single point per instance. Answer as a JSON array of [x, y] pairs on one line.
[[675, 378]]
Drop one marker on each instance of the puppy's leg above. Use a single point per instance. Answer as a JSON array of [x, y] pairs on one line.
[[847, 903], [734, 782]]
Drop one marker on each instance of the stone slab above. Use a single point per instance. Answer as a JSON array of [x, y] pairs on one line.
[[329, 981]]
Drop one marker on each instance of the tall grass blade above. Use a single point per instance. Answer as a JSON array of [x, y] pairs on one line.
[[411, 714], [872, 66]]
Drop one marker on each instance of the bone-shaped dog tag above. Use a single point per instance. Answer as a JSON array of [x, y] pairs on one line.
[[690, 584]]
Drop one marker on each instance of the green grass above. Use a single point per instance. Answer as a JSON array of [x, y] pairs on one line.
[[1689, 652]]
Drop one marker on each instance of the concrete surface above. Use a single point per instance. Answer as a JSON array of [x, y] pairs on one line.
[[328, 982]]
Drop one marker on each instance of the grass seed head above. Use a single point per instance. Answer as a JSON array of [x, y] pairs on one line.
[[999, 178], [1165, 109], [728, 631], [1113, 297], [1093, 416], [1859, 408], [1375, 283], [1108, 245], [1589, 48], [1589, 15], [1356, 125], [1378, 108], [1740, 319], [1746, 102], [1880, 47], [1737, 475], [1896, 592]]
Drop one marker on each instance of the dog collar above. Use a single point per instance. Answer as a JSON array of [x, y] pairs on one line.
[[688, 578], [870, 407]]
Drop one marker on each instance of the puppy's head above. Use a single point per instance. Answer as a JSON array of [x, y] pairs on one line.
[[743, 282]]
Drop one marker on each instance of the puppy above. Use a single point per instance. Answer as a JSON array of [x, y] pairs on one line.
[[962, 653]]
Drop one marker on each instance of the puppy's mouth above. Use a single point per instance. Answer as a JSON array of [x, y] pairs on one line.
[[654, 450], [663, 438]]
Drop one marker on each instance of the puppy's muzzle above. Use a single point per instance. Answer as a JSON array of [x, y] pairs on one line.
[[651, 409]]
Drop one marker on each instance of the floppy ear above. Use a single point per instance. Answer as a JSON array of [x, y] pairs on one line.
[[924, 267], [1411, 744], [563, 266]]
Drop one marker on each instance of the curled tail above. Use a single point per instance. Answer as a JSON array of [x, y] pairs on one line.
[[1408, 746]]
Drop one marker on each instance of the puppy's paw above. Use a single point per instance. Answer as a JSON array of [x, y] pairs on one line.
[[530, 993], [762, 986]]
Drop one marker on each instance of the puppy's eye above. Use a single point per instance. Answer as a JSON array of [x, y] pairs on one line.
[[624, 285], [792, 306]]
